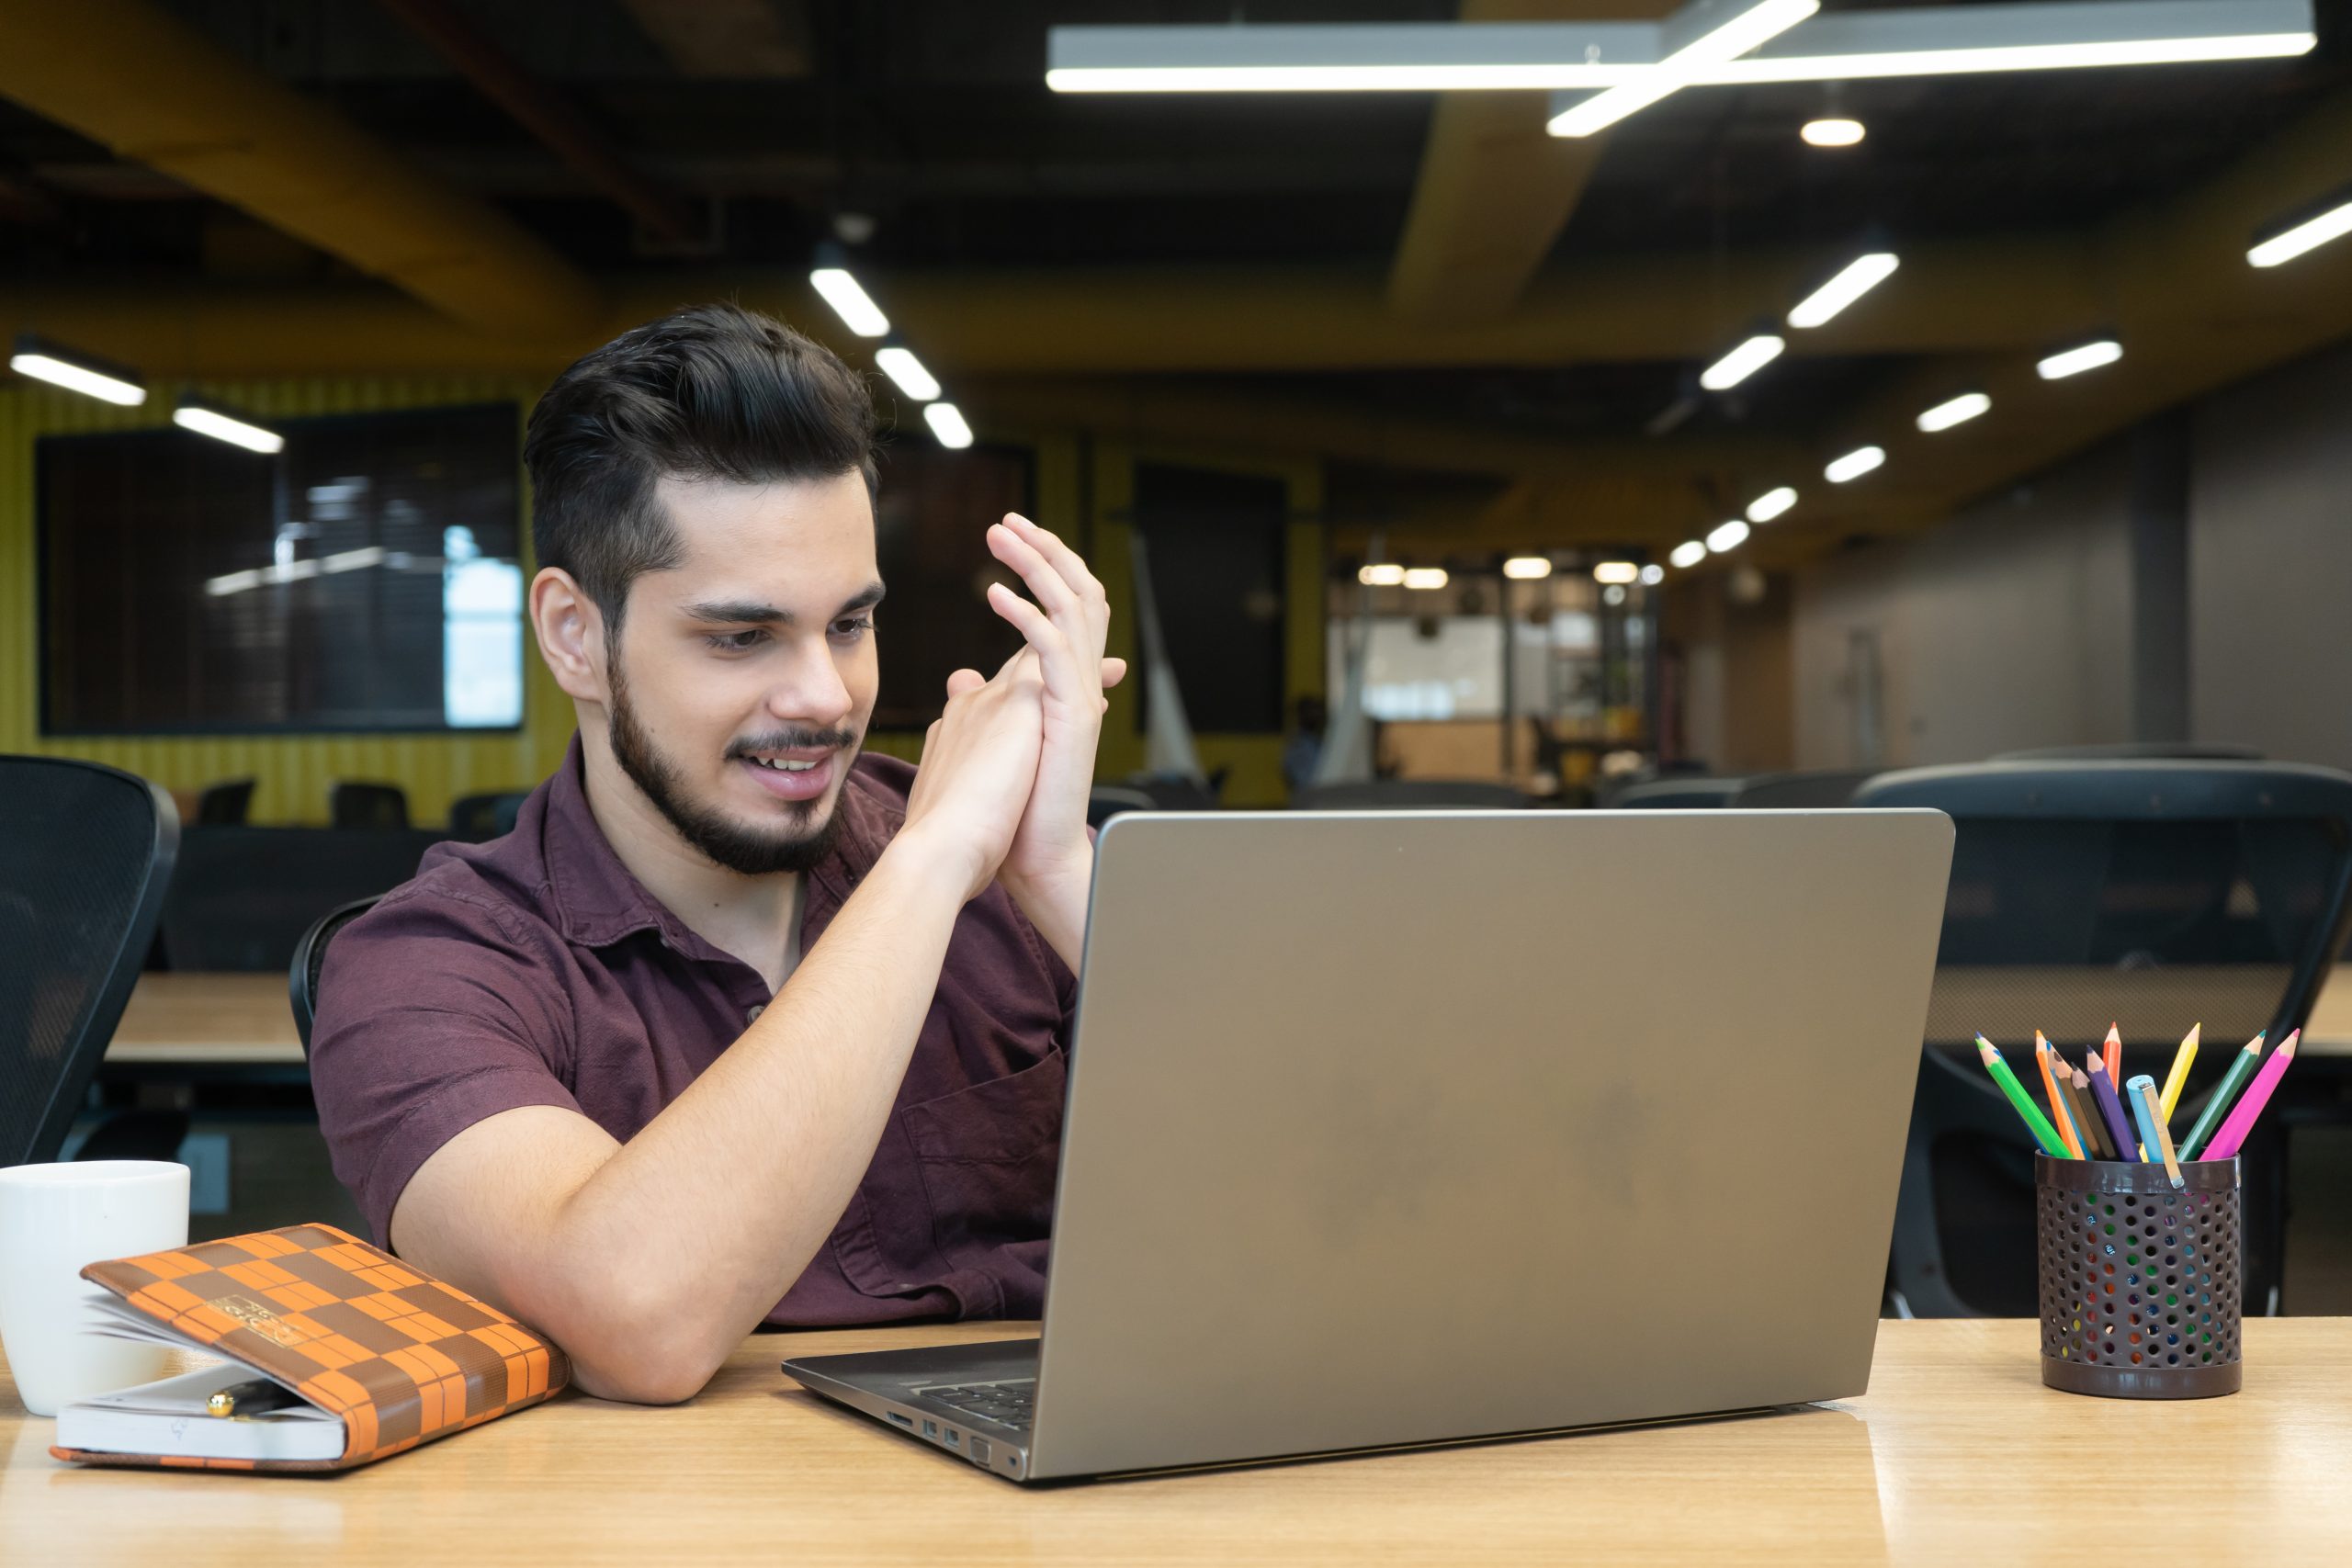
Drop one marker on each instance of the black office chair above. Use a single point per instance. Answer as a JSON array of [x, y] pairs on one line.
[[1409, 794], [2161, 893], [1106, 801], [480, 817], [309, 957], [224, 805], [1675, 795], [84, 855], [1169, 794], [1802, 792], [378, 805], [242, 896]]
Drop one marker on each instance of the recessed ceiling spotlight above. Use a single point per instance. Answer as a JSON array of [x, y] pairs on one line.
[[1729, 536], [1425, 577], [1855, 464], [1770, 504], [1616, 571], [1833, 132], [1959, 410], [1381, 574], [1652, 575], [1743, 362], [1688, 554], [1528, 569], [2075, 361]]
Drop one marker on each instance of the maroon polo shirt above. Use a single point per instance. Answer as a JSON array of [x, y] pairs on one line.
[[534, 970]]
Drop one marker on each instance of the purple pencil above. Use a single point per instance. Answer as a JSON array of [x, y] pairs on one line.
[[2110, 1107]]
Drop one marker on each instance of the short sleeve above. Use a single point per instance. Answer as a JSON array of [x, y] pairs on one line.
[[434, 1013]]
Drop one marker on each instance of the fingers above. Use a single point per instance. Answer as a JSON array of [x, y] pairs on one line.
[[1063, 560], [1052, 590], [965, 680], [1113, 672], [1028, 620]]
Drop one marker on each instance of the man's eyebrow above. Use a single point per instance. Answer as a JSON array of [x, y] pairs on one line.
[[752, 612]]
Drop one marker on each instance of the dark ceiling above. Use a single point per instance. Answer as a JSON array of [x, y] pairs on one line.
[[930, 117]]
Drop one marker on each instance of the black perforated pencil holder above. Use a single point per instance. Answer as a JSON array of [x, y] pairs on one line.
[[2140, 1284]]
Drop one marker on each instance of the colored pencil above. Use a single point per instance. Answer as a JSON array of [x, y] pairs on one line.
[[2240, 1121], [2035, 1121], [2114, 1052], [2075, 1088], [2151, 1117], [2057, 1106], [2242, 1068], [2178, 1079], [2111, 1110]]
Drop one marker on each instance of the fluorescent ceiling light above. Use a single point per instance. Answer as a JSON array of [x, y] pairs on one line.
[[901, 366], [1859, 277], [1833, 132], [1770, 504], [1753, 24], [353, 561], [1652, 575], [1616, 571], [1528, 569], [1960, 410], [1742, 362], [1729, 536], [222, 425], [1940, 40], [1381, 574], [1349, 57], [1688, 554], [76, 373], [2075, 361], [1425, 577], [1855, 464], [850, 302], [946, 421], [2306, 236]]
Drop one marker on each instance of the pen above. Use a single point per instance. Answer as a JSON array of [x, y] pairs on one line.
[[251, 1397]]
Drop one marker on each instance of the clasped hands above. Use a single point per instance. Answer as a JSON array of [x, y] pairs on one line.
[[1008, 766]]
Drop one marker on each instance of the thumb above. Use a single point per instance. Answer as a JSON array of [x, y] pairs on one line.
[[965, 680]]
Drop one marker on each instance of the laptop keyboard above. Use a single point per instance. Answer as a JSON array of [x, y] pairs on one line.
[[1007, 1404]]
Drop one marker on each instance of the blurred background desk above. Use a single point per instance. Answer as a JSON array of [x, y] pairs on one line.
[[202, 1021], [1946, 1459]]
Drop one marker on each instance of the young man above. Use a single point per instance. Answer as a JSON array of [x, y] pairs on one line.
[[736, 1024]]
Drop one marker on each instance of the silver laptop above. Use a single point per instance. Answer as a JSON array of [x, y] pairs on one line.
[[1392, 1129]]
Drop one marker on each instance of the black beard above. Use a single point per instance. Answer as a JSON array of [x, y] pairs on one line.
[[749, 852]]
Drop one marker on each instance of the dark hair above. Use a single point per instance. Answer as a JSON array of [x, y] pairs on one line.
[[716, 392]]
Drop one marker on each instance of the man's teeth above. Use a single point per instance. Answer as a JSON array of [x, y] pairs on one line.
[[785, 764]]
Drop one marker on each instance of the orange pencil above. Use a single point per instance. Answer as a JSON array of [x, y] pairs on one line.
[[2049, 1087], [2114, 1055]]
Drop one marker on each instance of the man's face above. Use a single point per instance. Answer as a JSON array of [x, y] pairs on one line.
[[745, 675]]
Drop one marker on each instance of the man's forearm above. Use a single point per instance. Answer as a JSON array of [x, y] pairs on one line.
[[717, 1206], [1055, 902]]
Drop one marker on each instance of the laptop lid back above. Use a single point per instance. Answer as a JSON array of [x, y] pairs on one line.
[[1401, 1128]]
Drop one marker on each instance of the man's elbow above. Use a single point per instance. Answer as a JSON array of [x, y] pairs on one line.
[[641, 1348]]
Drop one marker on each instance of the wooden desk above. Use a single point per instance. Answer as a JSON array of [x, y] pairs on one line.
[[1952, 1456], [199, 1020]]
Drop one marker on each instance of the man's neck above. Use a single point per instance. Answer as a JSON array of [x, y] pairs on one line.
[[749, 917]]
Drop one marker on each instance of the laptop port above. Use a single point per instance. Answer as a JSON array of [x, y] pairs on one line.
[[904, 1421], [980, 1455], [953, 1440], [930, 1430]]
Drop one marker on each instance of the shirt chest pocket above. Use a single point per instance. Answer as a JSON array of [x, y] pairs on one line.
[[956, 1180]]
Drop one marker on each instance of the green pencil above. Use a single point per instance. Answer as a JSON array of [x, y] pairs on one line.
[[2217, 1104], [2036, 1122]]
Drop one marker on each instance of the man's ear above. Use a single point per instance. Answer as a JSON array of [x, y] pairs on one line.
[[571, 630]]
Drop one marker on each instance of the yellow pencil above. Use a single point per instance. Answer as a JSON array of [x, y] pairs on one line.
[[2177, 1079]]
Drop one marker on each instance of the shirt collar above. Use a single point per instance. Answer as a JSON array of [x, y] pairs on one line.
[[597, 902]]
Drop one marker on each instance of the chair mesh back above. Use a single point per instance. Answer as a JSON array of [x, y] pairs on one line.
[[244, 897], [2066, 926], [84, 853]]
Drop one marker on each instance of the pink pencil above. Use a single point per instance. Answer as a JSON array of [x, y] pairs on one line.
[[2240, 1121]]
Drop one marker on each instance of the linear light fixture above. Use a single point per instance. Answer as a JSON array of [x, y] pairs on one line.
[[1855, 464], [1742, 362], [2304, 234], [2075, 361], [899, 363], [207, 419], [1833, 132], [1857, 278], [946, 421], [1705, 33], [76, 372], [1381, 574], [1727, 537], [1770, 504], [1618, 571], [831, 278], [1528, 569], [1425, 577], [1688, 554], [1959, 410]]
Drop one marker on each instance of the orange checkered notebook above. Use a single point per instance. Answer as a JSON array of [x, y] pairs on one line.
[[400, 1358]]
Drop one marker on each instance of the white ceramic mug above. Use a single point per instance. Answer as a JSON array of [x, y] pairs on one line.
[[53, 1220]]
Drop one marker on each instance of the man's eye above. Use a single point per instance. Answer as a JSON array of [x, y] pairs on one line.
[[737, 642], [853, 629]]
